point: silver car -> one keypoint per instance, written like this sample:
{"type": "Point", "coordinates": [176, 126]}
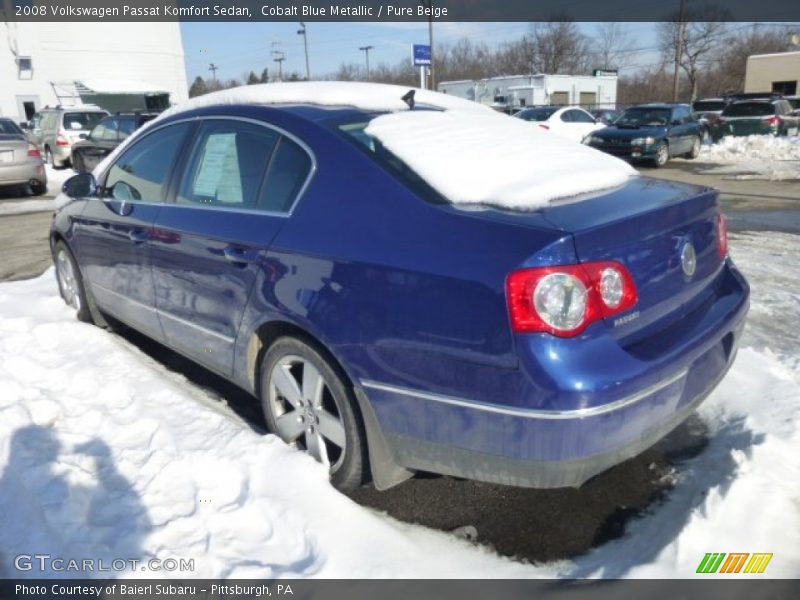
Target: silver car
{"type": "Point", "coordinates": [20, 160]}
{"type": "Point", "coordinates": [54, 130]}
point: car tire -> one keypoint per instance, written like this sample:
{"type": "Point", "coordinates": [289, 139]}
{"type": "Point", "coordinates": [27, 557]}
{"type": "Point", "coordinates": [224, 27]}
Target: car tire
{"type": "Point", "coordinates": [309, 404]}
{"type": "Point", "coordinates": [697, 144]}
{"type": "Point", "coordinates": [70, 282]}
{"type": "Point", "coordinates": [662, 155]}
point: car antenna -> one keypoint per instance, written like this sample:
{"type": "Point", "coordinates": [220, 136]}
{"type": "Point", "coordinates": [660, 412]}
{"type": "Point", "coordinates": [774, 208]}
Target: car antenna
{"type": "Point", "coordinates": [409, 98]}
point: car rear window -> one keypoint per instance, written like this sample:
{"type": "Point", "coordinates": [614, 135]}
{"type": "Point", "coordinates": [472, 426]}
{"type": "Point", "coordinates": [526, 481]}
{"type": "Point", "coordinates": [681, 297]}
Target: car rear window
{"type": "Point", "coordinates": [536, 114]}
{"type": "Point", "coordinates": [709, 105]}
{"type": "Point", "coordinates": [74, 121]}
{"type": "Point", "coordinates": [749, 109]}
{"type": "Point", "coordinates": [355, 132]}
{"type": "Point", "coordinates": [9, 128]}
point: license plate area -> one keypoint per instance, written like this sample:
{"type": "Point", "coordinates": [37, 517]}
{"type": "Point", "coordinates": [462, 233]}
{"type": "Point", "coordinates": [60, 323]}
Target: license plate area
{"type": "Point", "coordinates": [6, 156]}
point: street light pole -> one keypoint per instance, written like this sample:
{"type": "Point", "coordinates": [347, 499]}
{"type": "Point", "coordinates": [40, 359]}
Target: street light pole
{"type": "Point", "coordinates": [303, 32]}
{"type": "Point", "coordinates": [213, 68]}
{"type": "Point", "coordinates": [365, 50]}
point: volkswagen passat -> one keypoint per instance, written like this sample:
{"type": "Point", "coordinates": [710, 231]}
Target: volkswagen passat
{"type": "Point", "coordinates": [313, 248]}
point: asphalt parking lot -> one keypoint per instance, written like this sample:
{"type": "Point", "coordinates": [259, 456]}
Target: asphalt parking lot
{"type": "Point", "coordinates": [535, 525]}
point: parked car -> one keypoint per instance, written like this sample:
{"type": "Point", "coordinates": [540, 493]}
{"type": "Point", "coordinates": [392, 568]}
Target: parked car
{"type": "Point", "coordinates": [571, 122]}
{"type": "Point", "coordinates": [385, 328]}
{"type": "Point", "coordinates": [54, 130]}
{"type": "Point", "coordinates": [757, 117]}
{"type": "Point", "coordinates": [606, 116]}
{"type": "Point", "coordinates": [20, 160]}
{"type": "Point", "coordinates": [107, 135]}
{"type": "Point", "coordinates": [707, 112]}
{"type": "Point", "coordinates": [652, 132]}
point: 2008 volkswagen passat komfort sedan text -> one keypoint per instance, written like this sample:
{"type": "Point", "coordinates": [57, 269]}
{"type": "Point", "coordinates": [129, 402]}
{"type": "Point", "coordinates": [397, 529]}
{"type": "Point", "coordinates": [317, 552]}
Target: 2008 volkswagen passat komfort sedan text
{"type": "Point", "coordinates": [402, 295]}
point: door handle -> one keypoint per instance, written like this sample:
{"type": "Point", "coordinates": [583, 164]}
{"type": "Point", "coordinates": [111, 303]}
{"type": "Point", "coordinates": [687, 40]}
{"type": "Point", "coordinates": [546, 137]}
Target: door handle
{"type": "Point", "coordinates": [139, 236]}
{"type": "Point", "coordinates": [237, 254]}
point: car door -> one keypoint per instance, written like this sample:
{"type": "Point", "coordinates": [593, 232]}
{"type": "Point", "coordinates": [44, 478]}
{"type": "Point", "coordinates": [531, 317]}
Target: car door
{"type": "Point", "coordinates": [681, 131]}
{"type": "Point", "coordinates": [114, 232]}
{"type": "Point", "coordinates": [238, 186]}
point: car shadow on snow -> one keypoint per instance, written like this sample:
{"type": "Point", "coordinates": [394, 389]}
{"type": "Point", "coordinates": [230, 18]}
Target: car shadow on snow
{"type": "Point", "coordinates": [666, 484]}
{"type": "Point", "coordinates": [64, 500]}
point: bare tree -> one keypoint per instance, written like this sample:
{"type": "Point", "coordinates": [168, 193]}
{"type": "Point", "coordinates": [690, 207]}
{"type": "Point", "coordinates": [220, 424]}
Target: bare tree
{"type": "Point", "coordinates": [558, 47]}
{"type": "Point", "coordinates": [703, 33]}
{"type": "Point", "coordinates": [612, 46]}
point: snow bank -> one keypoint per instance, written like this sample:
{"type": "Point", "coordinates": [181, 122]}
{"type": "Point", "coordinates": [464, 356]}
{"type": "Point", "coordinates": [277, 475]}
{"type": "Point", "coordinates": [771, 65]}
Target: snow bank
{"type": "Point", "coordinates": [469, 153]}
{"type": "Point", "coordinates": [489, 158]}
{"type": "Point", "coordinates": [755, 157]}
{"type": "Point", "coordinates": [117, 456]}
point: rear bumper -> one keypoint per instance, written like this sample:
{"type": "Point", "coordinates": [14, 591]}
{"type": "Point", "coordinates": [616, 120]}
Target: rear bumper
{"type": "Point", "coordinates": [22, 173]}
{"type": "Point", "coordinates": [566, 442]}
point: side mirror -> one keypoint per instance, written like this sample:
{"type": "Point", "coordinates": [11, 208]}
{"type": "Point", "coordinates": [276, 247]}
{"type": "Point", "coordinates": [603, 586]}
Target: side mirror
{"type": "Point", "coordinates": [82, 185]}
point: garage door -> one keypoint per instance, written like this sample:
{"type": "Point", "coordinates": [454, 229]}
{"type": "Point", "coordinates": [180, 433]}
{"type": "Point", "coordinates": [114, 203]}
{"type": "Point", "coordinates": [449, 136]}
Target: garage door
{"type": "Point", "coordinates": [559, 98]}
{"type": "Point", "coordinates": [588, 99]}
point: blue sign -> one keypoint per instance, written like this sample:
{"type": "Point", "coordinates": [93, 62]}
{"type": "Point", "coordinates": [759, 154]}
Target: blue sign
{"type": "Point", "coordinates": [422, 55]}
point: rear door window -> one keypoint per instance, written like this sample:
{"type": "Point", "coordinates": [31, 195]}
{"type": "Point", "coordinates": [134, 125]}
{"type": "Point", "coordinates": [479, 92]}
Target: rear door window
{"type": "Point", "coordinates": [288, 172]}
{"type": "Point", "coordinates": [227, 164]}
{"type": "Point", "coordinates": [749, 109]}
{"type": "Point", "coordinates": [74, 121]}
{"type": "Point", "coordinates": [106, 131]}
{"type": "Point", "coordinates": [579, 116]}
{"type": "Point", "coordinates": [144, 169]}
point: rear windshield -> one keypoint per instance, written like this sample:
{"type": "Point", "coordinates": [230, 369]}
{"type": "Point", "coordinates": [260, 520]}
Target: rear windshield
{"type": "Point", "coordinates": [749, 109]}
{"type": "Point", "coordinates": [709, 105]}
{"type": "Point", "coordinates": [82, 120]}
{"type": "Point", "coordinates": [378, 152]}
{"type": "Point", "coordinates": [8, 127]}
{"type": "Point", "coordinates": [536, 114]}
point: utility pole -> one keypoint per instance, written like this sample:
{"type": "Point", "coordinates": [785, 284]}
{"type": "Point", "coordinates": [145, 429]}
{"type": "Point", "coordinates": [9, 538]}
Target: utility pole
{"type": "Point", "coordinates": [365, 50]}
{"type": "Point", "coordinates": [678, 52]}
{"type": "Point", "coordinates": [278, 56]}
{"type": "Point", "coordinates": [302, 31]}
{"type": "Point", "coordinates": [431, 70]}
{"type": "Point", "coordinates": [213, 68]}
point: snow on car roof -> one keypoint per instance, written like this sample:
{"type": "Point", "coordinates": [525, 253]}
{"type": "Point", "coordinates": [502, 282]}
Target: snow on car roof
{"type": "Point", "coordinates": [492, 159]}
{"type": "Point", "coordinates": [468, 152]}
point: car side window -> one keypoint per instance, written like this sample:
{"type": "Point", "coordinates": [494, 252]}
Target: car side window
{"type": "Point", "coordinates": [143, 170]}
{"type": "Point", "coordinates": [227, 164]}
{"type": "Point", "coordinates": [126, 127]}
{"type": "Point", "coordinates": [566, 116]}
{"type": "Point", "coordinates": [106, 131]}
{"type": "Point", "coordinates": [579, 116]}
{"type": "Point", "coordinates": [288, 173]}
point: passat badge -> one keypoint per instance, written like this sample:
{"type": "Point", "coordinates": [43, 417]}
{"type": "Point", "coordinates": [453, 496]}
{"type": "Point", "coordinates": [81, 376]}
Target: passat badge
{"type": "Point", "coordinates": [688, 259]}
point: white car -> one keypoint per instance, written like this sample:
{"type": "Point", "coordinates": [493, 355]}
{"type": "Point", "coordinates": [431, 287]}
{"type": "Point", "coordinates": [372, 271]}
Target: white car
{"type": "Point", "coordinates": [570, 122]}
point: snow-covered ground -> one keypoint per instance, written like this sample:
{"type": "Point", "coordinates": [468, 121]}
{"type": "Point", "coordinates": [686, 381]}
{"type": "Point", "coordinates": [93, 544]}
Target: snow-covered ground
{"type": "Point", "coordinates": [55, 179]}
{"type": "Point", "coordinates": [107, 454]}
{"type": "Point", "coordinates": [754, 157]}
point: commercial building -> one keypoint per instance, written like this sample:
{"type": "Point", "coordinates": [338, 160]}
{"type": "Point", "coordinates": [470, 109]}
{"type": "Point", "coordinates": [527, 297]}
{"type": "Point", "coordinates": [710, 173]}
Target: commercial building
{"type": "Point", "coordinates": [120, 66]}
{"type": "Point", "coordinates": [773, 73]}
{"type": "Point", "coordinates": [589, 91]}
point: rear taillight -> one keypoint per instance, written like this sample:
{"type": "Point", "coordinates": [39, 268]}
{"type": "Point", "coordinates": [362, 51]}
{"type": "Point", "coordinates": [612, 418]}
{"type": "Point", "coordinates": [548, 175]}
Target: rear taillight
{"type": "Point", "coordinates": [61, 140]}
{"type": "Point", "coordinates": [564, 300]}
{"type": "Point", "coordinates": [33, 151]}
{"type": "Point", "coordinates": [722, 235]}
{"type": "Point", "coordinates": [773, 121]}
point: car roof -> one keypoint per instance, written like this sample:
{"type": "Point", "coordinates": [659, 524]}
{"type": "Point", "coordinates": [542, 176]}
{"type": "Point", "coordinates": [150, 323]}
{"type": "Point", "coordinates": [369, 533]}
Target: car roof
{"type": "Point", "coordinates": [659, 105]}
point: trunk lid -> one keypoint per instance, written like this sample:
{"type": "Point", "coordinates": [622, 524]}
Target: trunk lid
{"type": "Point", "coordinates": [647, 226]}
{"type": "Point", "coordinates": [13, 149]}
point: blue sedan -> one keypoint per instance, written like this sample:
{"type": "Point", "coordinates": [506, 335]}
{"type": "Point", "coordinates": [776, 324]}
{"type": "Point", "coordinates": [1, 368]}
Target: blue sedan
{"type": "Point", "coordinates": [386, 330]}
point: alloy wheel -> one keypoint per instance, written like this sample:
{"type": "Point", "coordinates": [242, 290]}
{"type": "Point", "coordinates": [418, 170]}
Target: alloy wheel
{"type": "Point", "coordinates": [305, 411]}
{"type": "Point", "coordinates": [67, 280]}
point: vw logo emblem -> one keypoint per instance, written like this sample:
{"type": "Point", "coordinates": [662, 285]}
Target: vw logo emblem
{"type": "Point", "coordinates": [688, 259]}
